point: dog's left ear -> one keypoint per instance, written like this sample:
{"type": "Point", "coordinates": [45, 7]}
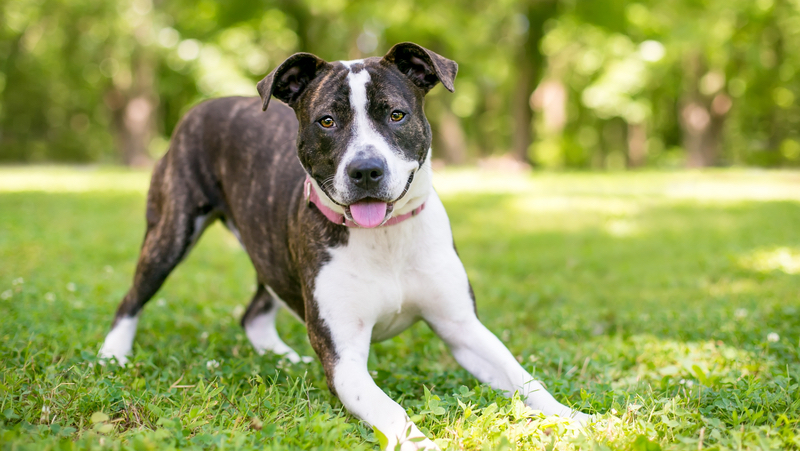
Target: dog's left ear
{"type": "Point", "coordinates": [424, 67]}
{"type": "Point", "coordinates": [291, 78]}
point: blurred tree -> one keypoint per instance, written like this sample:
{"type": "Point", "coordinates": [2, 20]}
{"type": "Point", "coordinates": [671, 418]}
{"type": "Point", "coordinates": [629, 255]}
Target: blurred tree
{"type": "Point", "coordinates": [599, 84]}
{"type": "Point", "coordinates": [49, 92]}
{"type": "Point", "coordinates": [131, 96]}
{"type": "Point", "coordinates": [692, 81]}
{"type": "Point", "coordinates": [530, 68]}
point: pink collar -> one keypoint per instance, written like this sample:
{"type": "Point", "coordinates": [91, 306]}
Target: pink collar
{"type": "Point", "coordinates": [337, 218]}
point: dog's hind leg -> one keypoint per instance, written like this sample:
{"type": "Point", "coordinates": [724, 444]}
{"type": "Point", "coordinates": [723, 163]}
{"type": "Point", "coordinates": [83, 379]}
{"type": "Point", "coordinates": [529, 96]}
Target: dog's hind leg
{"type": "Point", "coordinates": [259, 325]}
{"type": "Point", "coordinates": [174, 223]}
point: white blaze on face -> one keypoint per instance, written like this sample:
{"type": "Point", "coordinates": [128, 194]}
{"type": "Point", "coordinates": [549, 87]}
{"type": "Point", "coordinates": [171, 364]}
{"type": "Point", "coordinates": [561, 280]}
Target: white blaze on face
{"type": "Point", "coordinates": [366, 141]}
{"type": "Point", "coordinates": [349, 64]}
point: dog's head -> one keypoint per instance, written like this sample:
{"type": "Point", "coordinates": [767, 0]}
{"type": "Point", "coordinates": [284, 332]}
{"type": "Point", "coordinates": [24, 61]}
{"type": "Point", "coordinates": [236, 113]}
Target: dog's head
{"type": "Point", "coordinates": [363, 136]}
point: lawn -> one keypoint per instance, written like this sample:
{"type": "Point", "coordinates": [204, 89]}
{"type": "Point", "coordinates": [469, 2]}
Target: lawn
{"type": "Point", "coordinates": [668, 303]}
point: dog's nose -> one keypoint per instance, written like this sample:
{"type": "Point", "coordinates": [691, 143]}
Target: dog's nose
{"type": "Point", "coordinates": [366, 173]}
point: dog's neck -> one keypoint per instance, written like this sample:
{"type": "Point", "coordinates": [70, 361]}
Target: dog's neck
{"type": "Point", "coordinates": [416, 195]}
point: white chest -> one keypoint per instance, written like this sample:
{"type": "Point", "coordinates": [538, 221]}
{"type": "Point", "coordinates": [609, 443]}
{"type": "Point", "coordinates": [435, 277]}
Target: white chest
{"type": "Point", "coordinates": [381, 277]}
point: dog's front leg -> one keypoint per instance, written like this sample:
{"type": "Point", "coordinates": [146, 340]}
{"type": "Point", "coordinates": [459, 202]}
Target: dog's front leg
{"type": "Point", "coordinates": [344, 356]}
{"type": "Point", "coordinates": [481, 353]}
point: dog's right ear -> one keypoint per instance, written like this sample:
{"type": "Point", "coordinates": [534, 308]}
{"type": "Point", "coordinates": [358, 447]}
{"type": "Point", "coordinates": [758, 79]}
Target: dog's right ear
{"type": "Point", "coordinates": [291, 78]}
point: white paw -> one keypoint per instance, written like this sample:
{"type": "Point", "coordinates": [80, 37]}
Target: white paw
{"type": "Point", "coordinates": [106, 354]}
{"type": "Point", "coordinates": [411, 440]}
{"type": "Point", "coordinates": [119, 342]}
{"type": "Point", "coordinates": [410, 445]}
{"type": "Point", "coordinates": [582, 418]}
{"type": "Point", "coordinates": [306, 359]}
{"type": "Point", "coordinates": [293, 357]}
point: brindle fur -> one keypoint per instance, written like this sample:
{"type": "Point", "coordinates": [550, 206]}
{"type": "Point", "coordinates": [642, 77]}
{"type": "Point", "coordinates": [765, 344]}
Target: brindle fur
{"type": "Point", "coordinates": [230, 160]}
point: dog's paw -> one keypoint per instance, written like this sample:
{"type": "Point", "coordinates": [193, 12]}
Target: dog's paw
{"type": "Point", "coordinates": [411, 439]}
{"type": "Point", "coordinates": [119, 341]}
{"type": "Point", "coordinates": [582, 418]}
{"type": "Point", "coordinates": [296, 358]}
{"type": "Point", "coordinates": [420, 443]}
{"type": "Point", "coordinates": [108, 354]}
{"type": "Point", "coordinates": [306, 359]}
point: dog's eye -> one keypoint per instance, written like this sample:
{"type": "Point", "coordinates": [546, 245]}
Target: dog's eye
{"type": "Point", "coordinates": [397, 116]}
{"type": "Point", "coordinates": [327, 122]}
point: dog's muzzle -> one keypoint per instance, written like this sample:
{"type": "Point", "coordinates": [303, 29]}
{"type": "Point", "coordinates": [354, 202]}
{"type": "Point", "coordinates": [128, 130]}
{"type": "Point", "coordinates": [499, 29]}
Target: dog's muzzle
{"type": "Point", "coordinates": [367, 214]}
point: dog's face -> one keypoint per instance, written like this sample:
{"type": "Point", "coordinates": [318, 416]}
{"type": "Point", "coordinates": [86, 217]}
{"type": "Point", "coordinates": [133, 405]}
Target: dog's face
{"type": "Point", "coordinates": [362, 133]}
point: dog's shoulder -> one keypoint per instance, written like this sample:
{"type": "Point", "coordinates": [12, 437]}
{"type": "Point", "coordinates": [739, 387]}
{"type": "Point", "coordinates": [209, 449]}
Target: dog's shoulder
{"type": "Point", "coordinates": [240, 111]}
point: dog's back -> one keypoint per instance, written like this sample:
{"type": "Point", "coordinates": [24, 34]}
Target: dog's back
{"type": "Point", "coordinates": [227, 148]}
{"type": "Point", "coordinates": [231, 161]}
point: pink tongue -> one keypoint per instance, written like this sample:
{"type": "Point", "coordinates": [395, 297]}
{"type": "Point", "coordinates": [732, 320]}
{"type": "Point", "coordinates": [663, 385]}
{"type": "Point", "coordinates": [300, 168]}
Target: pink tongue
{"type": "Point", "coordinates": [368, 214]}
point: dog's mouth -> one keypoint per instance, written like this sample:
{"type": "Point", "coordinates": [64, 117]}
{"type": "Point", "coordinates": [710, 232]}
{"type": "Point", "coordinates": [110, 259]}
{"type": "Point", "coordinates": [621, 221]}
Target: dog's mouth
{"type": "Point", "coordinates": [370, 212]}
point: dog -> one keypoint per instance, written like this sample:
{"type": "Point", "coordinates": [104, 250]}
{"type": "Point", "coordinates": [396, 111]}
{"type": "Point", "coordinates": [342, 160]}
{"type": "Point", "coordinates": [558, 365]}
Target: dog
{"type": "Point", "coordinates": [330, 195]}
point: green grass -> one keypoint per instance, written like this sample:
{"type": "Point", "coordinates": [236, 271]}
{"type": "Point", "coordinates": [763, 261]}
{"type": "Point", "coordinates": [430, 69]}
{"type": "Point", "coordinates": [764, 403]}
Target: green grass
{"type": "Point", "coordinates": [667, 302]}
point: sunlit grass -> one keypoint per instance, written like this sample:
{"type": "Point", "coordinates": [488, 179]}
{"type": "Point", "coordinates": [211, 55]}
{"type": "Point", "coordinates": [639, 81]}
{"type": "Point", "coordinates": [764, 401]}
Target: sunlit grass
{"type": "Point", "coordinates": [712, 185]}
{"type": "Point", "coordinates": [783, 259]}
{"type": "Point", "coordinates": [68, 179]}
{"type": "Point", "coordinates": [668, 303]}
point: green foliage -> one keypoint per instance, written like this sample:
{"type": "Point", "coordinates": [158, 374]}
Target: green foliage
{"type": "Point", "coordinates": [654, 59]}
{"type": "Point", "coordinates": [630, 83]}
{"type": "Point", "coordinates": [665, 303]}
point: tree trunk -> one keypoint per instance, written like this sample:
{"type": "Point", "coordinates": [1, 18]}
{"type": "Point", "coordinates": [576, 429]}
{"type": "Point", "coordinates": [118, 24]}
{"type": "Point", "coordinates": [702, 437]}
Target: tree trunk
{"type": "Point", "coordinates": [522, 113]}
{"type": "Point", "coordinates": [530, 62]}
{"type": "Point", "coordinates": [134, 111]}
{"type": "Point", "coordinates": [637, 145]}
{"type": "Point", "coordinates": [777, 128]}
{"type": "Point", "coordinates": [302, 16]}
{"type": "Point", "coordinates": [701, 118]}
{"type": "Point", "coordinates": [10, 146]}
{"type": "Point", "coordinates": [452, 139]}
{"type": "Point", "coordinates": [133, 101]}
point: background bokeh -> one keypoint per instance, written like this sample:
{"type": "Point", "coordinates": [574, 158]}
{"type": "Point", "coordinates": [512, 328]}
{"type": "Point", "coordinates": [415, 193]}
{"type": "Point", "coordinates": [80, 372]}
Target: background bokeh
{"type": "Point", "coordinates": [600, 84]}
